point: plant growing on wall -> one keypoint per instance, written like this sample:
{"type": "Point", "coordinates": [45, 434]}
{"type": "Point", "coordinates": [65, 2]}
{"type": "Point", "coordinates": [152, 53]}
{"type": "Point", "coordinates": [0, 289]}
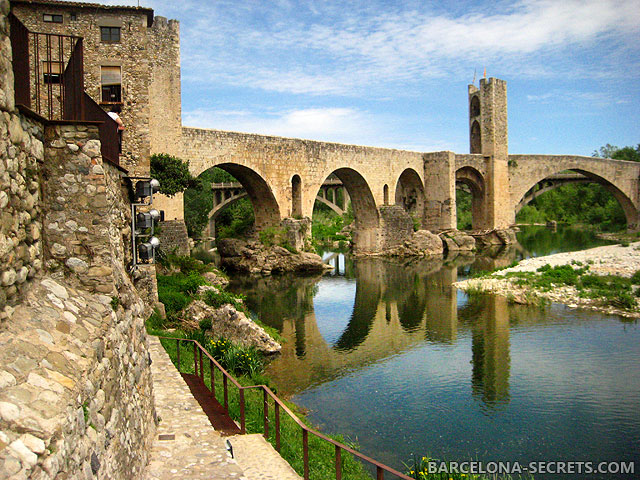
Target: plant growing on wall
{"type": "Point", "coordinates": [172, 173]}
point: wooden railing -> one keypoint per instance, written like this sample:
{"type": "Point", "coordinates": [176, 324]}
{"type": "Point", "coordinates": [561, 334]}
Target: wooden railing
{"type": "Point", "coordinates": [269, 399]}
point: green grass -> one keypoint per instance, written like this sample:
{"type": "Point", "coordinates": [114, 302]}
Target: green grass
{"type": "Point", "coordinates": [321, 453]}
{"type": "Point", "coordinates": [609, 290]}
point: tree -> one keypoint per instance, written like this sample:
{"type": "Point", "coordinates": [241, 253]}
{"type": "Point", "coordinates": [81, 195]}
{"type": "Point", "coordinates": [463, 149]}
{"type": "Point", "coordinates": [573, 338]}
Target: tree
{"type": "Point", "coordinates": [625, 153]}
{"type": "Point", "coordinates": [172, 173]}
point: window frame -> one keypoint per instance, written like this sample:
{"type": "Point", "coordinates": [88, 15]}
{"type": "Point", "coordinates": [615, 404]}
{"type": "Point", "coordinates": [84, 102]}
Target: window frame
{"type": "Point", "coordinates": [110, 86]}
{"type": "Point", "coordinates": [53, 18]}
{"type": "Point", "coordinates": [52, 77]}
{"type": "Point", "coordinates": [110, 34]}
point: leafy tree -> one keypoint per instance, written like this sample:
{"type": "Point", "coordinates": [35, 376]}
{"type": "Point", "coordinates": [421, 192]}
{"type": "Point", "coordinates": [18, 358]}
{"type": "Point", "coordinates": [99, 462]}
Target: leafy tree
{"type": "Point", "coordinates": [629, 153]}
{"type": "Point", "coordinates": [172, 173]}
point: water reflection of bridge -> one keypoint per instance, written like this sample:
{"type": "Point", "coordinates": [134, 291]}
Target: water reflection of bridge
{"type": "Point", "coordinates": [397, 306]}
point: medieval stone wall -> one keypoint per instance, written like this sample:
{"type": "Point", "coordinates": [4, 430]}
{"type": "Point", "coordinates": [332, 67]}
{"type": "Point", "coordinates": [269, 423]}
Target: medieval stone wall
{"type": "Point", "coordinates": [21, 153]}
{"type": "Point", "coordinates": [75, 383]}
{"type": "Point", "coordinates": [173, 237]}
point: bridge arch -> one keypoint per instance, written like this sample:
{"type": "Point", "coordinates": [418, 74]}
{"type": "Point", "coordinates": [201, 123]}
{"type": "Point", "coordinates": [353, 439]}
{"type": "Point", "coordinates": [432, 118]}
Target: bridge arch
{"type": "Point", "coordinates": [474, 181]}
{"type": "Point", "coordinates": [365, 211]}
{"type": "Point", "coordinates": [296, 196]}
{"type": "Point", "coordinates": [410, 193]}
{"type": "Point", "coordinates": [265, 207]}
{"type": "Point", "coordinates": [628, 207]}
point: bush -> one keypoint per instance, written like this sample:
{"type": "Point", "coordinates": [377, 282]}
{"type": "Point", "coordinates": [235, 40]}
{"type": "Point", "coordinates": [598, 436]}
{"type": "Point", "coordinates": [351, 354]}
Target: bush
{"type": "Point", "coordinates": [172, 173]}
{"type": "Point", "coordinates": [205, 324]}
{"type": "Point", "coordinates": [218, 299]}
{"type": "Point", "coordinates": [174, 301]}
{"type": "Point", "coordinates": [635, 278]}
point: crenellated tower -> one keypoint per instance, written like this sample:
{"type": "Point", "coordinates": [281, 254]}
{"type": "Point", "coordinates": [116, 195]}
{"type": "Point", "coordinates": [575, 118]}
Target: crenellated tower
{"type": "Point", "coordinates": [488, 136]}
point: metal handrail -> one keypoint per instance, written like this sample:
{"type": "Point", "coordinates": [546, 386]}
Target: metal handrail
{"type": "Point", "coordinates": [198, 364]}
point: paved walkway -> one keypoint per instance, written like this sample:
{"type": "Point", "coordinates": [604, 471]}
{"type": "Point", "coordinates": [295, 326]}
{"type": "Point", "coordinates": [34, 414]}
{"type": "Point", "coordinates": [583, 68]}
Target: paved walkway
{"type": "Point", "coordinates": [187, 446]}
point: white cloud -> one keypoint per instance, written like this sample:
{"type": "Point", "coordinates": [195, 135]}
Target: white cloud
{"type": "Point", "coordinates": [349, 53]}
{"type": "Point", "coordinates": [343, 125]}
{"type": "Point", "coordinates": [316, 123]}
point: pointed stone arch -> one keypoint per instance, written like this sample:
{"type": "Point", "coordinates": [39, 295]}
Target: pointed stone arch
{"type": "Point", "coordinates": [474, 181]}
{"type": "Point", "coordinates": [410, 194]}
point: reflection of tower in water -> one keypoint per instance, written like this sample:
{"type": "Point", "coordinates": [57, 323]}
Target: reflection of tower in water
{"type": "Point", "coordinates": [490, 351]}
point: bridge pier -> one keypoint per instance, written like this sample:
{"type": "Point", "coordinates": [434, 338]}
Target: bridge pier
{"type": "Point", "coordinates": [440, 191]}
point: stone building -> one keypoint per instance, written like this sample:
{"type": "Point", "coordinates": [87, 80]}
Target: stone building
{"type": "Point", "coordinates": [131, 59]}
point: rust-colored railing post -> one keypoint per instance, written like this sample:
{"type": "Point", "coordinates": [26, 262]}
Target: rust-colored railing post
{"type": "Point", "coordinates": [276, 406]}
{"type": "Point", "coordinates": [338, 463]}
{"type": "Point", "coordinates": [243, 429]}
{"type": "Point", "coordinates": [212, 378]}
{"type": "Point", "coordinates": [265, 413]}
{"type": "Point", "coordinates": [226, 393]}
{"type": "Point", "coordinates": [305, 452]}
{"type": "Point", "coordinates": [379, 473]}
{"type": "Point", "coordinates": [178, 349]}
{"type": "Point", "coordinates": [195, 358]}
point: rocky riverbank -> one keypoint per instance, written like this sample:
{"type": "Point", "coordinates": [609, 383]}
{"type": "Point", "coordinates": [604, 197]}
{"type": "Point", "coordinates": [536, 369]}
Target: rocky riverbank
{"type": "Point", "coordinates": [615, 260]}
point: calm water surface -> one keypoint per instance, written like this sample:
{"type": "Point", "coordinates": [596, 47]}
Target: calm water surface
{"type": "Point", "coordinates": [394, 357]}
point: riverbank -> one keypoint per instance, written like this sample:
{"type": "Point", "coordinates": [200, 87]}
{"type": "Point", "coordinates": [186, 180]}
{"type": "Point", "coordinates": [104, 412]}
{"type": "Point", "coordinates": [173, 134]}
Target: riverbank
{"type": "Point", "coordinates": [521, 283]}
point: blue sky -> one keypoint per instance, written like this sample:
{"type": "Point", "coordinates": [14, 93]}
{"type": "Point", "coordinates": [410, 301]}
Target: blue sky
{"type": "Point", "coordinates": [395, 74]}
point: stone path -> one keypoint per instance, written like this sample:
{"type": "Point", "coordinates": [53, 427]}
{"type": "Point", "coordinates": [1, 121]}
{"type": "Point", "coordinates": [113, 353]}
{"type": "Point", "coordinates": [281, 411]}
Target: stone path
{"type": "Point", "coordinates": [259, 459]}
{"type": "Point", "coordinates": [186, 446]}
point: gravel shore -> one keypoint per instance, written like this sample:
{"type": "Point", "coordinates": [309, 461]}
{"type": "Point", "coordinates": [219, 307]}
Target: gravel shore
{"type": "Point", "coordinates": [607, 260]}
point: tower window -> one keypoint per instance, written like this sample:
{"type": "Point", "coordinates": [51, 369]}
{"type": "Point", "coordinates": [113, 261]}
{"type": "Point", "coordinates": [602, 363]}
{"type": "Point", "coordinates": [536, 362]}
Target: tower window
{"type": "Point", "coordinates": [111, 84]}
{"type": "Point", "coordinates": [73, 16]}
{"type": "Point", "coordinates": [51, 18]}
{"type": "Point", "coordinates": [110, 34]}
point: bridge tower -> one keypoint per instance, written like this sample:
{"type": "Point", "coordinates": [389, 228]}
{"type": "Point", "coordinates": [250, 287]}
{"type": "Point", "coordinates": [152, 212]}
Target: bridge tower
{"type": "Point", "coordinates": [488, 136]}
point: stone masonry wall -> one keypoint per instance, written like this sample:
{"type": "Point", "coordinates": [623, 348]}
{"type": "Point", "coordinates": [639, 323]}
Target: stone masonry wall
{"type": "Point", "coordinates": [75, 386]}
{"type": "Point", "coordinates": [173, 237]}
{"type": "Point", "coordinates": [21, 152]}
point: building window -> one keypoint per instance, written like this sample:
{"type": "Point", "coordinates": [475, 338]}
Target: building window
{"type": "Point", "coordinates": [49, 17]}
{"type": "Point", "coordinates": [110, 34]}
{"type": "Point", "coordinates": [73, 16]}
{"type": "Point", "coordinates": [111, 82]}
{"type": "Point", "coordinates": [52, 72]}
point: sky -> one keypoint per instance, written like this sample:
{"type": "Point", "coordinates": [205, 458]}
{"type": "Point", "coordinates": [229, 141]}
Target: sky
{"type": "Point", "coordinates": [395, 74]}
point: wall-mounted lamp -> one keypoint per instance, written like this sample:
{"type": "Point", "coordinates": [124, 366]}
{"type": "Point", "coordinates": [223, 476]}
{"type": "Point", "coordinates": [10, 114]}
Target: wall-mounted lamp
{"type": "Point", "coordinates": [148, 219]}
{"type": "Point", "coordinates": [142, 221]}
{"type": "Point", "coordinates": [147, 250]}
{"type": "Point", "coordinates": [146, 188]}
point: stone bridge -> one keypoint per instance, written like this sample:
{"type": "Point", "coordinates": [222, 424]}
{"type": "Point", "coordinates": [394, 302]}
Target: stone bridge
{"type": "Point", "coordinates": [390, 189]}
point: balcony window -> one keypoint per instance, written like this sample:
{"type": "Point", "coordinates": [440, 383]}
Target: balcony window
{"type": "Point", "coordinates": [52, 73]}
{"type": "Point", "coordinates": [111, 84]}
{"type": "Point", "coordinates": [110, 34]}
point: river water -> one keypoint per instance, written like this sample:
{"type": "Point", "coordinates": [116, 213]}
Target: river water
{"type": "Point", "coordinates": [391, 355]}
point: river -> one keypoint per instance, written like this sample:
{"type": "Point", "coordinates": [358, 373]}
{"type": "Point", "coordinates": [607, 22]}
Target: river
{"type": "Point", "coordinates": [389, 354]}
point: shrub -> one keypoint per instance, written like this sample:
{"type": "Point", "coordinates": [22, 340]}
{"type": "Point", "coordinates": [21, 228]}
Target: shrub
{"type": "Point", "coordinates": [635, 278]}
{"type": "Point", "coordinates": [205, 324]}
{"type": "Point", "coordinates": [218, 299]}
{"type": "Point", "coordinates": [174, 302]}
